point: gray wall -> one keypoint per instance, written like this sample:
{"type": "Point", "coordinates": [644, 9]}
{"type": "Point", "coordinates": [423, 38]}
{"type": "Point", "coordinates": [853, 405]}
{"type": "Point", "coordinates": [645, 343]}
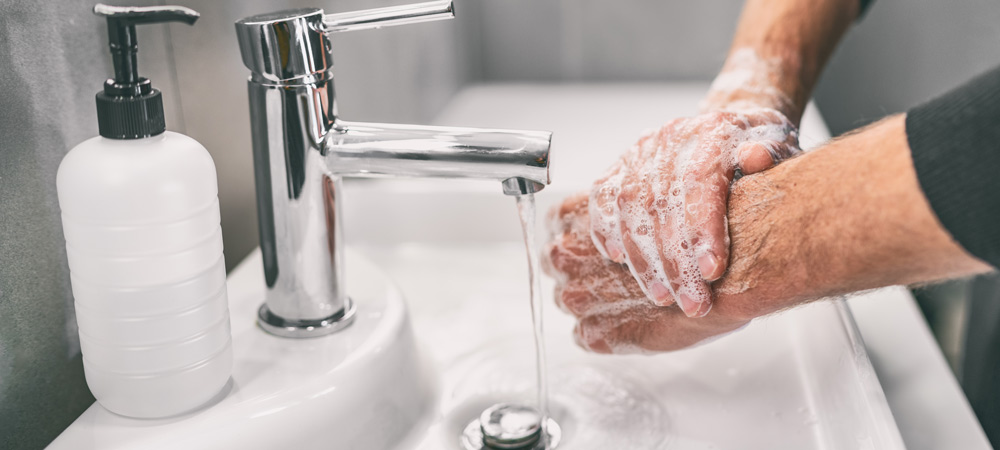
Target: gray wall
{"type": "Point", "coordinates": [905, 52]}
{"type": "Point", "coordinates": [599, 40]}
{"type": "Point", "coordinates": [902, 53]}
{"type": "Point", "coordinates": [51, 69]}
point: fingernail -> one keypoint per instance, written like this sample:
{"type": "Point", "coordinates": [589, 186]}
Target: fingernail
{"type": "Point", "coordinates": [660, 292]}
{"type": "Point", "coordinates": [709, 265]}
{"type": "Point", "coordinates": [597, 346]}
{"type": "Point", "coordinates": [688, 305]}
{"type": "Point", "coordinates": [703, 309]}
{"type": "Point", "coordinates": [615, 254]}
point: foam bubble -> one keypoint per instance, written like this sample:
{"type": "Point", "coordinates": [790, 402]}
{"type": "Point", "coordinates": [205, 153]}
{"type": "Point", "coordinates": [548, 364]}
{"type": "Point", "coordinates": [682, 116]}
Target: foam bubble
{"type": "Point", "coordinates": [747, 72]}
{"type": "Point", "coordinates": [663, 192]}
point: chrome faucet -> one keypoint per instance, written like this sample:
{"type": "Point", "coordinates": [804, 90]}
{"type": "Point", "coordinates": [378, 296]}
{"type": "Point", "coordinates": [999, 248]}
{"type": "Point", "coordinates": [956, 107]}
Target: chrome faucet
{"type": "Point", "coordinates": [301, 150]}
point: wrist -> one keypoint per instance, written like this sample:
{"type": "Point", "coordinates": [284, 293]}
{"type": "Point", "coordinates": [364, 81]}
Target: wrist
{"type": "Point", "coordinates": [768, 270]}
{"type": "Point", "coordinates": [750, 80]}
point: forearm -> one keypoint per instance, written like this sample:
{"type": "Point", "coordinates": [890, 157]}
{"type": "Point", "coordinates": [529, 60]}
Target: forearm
{"type": "Point", "coordinates": [779, 51]}
{"type": "Point", "coordinates": [847, 217]}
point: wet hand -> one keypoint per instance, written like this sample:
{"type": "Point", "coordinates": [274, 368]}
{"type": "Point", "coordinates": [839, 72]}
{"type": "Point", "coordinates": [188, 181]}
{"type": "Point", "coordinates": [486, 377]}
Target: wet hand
{"type": "Point", "coordinates": [612, 311]}
{"type": "Point", "coordinates": [661, 209]}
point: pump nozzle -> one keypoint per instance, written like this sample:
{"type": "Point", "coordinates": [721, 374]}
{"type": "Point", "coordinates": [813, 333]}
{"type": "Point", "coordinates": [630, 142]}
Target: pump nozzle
{"type": "Point", "coordinates": [129, 107]}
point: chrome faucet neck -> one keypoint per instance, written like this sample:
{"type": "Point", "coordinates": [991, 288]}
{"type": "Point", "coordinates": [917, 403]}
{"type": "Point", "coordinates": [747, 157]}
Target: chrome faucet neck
{"type": "Point", "coordinates": [301, 150]}
{"type": "Point", "coordinates": [284, 45]}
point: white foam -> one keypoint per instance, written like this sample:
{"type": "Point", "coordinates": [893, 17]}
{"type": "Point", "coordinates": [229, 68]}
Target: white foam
{"type": "Point", "coordinates": [650, 194]}
{"type": "Point", "coordinates": [746, 72]}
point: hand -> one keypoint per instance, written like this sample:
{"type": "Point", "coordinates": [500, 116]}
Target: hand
{"type": "Point", "coordinates": [661, 209]}
{"type": "Point", "coordinates": [613, 313]}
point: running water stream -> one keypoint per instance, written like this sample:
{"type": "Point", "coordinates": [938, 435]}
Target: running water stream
{"type": "Point", "coordinates": [600, 409]}
{"type": "Point", "coordinates": [526, 211]}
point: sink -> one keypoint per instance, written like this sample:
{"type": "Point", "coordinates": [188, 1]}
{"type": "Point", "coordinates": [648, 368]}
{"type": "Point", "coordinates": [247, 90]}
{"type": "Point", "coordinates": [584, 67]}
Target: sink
{"type": "Point", "coordinates": [800, 380]}
{"type": "Point", "coordinates": [413, 371]}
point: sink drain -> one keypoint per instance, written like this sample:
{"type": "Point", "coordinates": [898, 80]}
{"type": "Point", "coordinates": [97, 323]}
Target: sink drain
{"type": "Point", "coordinates": [511, 427]}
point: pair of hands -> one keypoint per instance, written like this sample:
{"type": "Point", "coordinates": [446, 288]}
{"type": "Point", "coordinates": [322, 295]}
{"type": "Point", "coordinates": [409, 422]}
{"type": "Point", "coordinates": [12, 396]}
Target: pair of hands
{"type": "Point", "coordinates": [653, 232]}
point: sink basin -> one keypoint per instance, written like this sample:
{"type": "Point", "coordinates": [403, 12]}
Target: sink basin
{"type": "Point", "coordinates": [411, 375]}
{"type": "Point", "coordinates": [800, 379]}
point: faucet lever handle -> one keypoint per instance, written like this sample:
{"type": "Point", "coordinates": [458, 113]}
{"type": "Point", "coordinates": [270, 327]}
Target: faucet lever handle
{"type": "Point", "coordinates": [389, 16]}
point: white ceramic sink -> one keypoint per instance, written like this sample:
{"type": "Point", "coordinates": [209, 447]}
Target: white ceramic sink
{"type": "Point", "coordinates": [798, 380]}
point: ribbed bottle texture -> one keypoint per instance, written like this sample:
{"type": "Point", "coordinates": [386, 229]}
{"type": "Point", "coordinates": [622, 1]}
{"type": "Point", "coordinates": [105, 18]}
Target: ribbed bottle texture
{"type": "Point", "coordinates": [144, 244]}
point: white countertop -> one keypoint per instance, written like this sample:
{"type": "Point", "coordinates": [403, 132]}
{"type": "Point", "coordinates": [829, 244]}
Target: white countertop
{"type": "Point", "coordinates": [592, 125]}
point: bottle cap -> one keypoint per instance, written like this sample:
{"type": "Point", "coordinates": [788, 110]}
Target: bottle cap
{"type": "Point", "coordinates": [129, 107]}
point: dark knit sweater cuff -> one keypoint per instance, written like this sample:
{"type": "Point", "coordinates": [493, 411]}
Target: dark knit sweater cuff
{"type": "Point", "coordinates": [864, 7]}
{"type": "Point", "coordinates": [955, 143]}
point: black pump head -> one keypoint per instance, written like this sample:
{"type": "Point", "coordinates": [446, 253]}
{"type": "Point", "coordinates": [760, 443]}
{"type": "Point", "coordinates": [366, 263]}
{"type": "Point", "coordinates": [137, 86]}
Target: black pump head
{"type": "Point", "coordinates": [129, 107]}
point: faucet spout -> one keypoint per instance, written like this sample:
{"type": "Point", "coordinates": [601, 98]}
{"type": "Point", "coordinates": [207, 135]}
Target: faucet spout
{"type": "Point", "coordinates": [302, 150]}
{"type": "Point", "coordinates": [375, 149]}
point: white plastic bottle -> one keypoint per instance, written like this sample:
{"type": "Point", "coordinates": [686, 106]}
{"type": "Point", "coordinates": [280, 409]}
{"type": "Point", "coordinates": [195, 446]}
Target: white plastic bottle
{"type": "Point", "coordinates": [140, 215]}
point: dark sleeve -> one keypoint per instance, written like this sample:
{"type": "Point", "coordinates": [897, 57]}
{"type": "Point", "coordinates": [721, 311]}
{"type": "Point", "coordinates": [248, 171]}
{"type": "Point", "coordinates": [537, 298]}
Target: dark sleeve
{"type": "Point", "coordinates": [864, 7]}
{"type": "Point", "coordinates": [955, 143]}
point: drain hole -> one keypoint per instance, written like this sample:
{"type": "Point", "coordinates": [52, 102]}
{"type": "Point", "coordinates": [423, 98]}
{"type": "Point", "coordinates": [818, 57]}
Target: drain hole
{"type": "Point", "coordinates": [506, 426]}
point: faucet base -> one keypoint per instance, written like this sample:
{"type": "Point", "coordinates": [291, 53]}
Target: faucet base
{"type": "Point", "coordinates": [279, 326]}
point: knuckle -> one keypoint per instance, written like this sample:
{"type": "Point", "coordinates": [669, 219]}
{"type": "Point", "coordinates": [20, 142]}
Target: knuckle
{"type": "Point", "coordinates": [560, 259]}
{"type": "Point", "coordinates": [557, 296]}
{"type": "Point", "coordinates": [575, 301]}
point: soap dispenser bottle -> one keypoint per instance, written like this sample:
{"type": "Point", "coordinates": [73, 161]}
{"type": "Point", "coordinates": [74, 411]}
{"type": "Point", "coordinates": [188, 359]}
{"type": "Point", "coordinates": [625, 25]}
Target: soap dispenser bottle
{"type": "Point", "coordinates": [140, 214]}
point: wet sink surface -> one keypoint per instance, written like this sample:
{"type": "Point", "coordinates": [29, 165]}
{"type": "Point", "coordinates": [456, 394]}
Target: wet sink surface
{"type": "Point", "coordinates": [792, 381]}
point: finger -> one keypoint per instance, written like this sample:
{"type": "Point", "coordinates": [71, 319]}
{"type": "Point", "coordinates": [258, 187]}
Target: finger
{"type": "Point", "coordinates": [708, 230]}
{"type": "Point", "coordinates": [702, 242]}
{"type": "Point", "coordinates": [614, 284]}
{"type": "Point", "coordinates": [557, 296]}
{"type": "Point", "coordinates": [692, 292]}
{"type": "Point", "coordinates": [606, 198]}
{"type": "Point", "coordinates": [646, 329]}
{"type": "Point", "coordinates": [669, 330]}
{"type": "Point", "coordinates": [668, 211]}
{"type": "Point", "coordinates": [564, 254]}
{"type": "Point", "coordinates": [603, 210]}
{"type": "Point", "coordinates": [567, 262]}
{"type": "Point", "coordinates": [593, 345]}
{"type": "Point", "coordinates": [555, 223]}
{"type": "Point", "coordinates": [641, 209]}
{"type": "Point", "coordinates": [705, 222]}
{"type": "Point", "coordinates": [640, 243]}
{"type": "Point", "coordinates": [619, 331]}
{"type": "Point", "coordinates": [578, 300]}
{"type": "Point", "coordinates": [546, 261]}
{"type": "Point", "coordinates": [564, 216]}
{"type": "Point", "coordinates": [688, 254]}
{"type": "Point", "coordinates": [757, 156]}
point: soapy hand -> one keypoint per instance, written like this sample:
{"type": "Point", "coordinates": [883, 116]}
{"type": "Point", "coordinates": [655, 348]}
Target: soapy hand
{"type": "Point", "coordinates": [613, 313]}
{"type": "Point", "coordinates": [661, 209]}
